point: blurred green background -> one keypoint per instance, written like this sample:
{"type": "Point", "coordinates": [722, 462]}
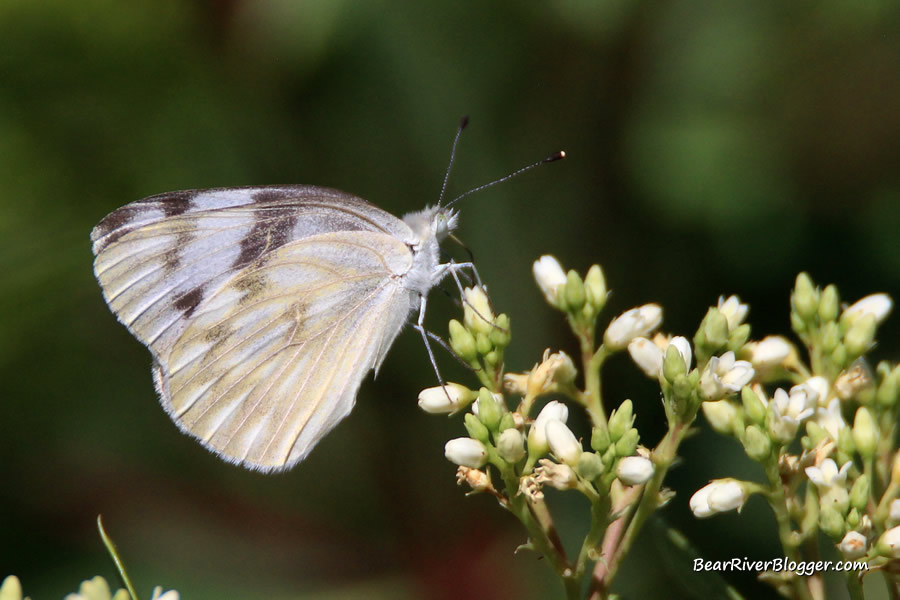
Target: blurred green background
{"type": "Point", "coordinates": [715, 146]}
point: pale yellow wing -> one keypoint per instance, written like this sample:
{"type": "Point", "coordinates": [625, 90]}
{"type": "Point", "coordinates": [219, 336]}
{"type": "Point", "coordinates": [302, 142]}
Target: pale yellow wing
{"type": "Point", "coordinates": [271, 362]}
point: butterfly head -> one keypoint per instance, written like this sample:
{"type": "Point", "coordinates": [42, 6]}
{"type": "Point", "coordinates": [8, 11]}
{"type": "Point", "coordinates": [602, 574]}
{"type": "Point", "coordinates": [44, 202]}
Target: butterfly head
{"type": "Point", "coordinates": [433, 221]}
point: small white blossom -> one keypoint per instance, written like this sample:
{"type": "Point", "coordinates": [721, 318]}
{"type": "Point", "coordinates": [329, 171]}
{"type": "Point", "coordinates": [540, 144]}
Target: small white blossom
{"type": "Point", "coordinates": [788, 411]}
{"type": "Point", "coordinates": [798, 405]}
{"type": "Point", "coordinates": [466, 452]}
{"type": "Point", "coordinates": [158, 594]}
{"type": "Point", "coordinates": [634, 470]}
{"type": "Point", "coordinates": [877, 305]}
{"type": "Point", "coordinates": [827, 475]}
{"type": "Point", "coordinates": [537, 435]}
{"type": "Point", "coordinates": [820, 386]}
{"type": "Point", "coordinates": [559, 476]}
{"type": "Point", "coordinates": [445, 399]}
{"type": "Point", "coordinates": [724, 375]}
{"type": "Point", "coordinates": [637, 322]}
{"type": "Point", "coordinates": [771, 351]}
{"type": "Point", "coordinates": [646, 355]}
{"type": "Point", "coordinates": [830, 419]}
{"type": "Point", "coordinates": [853, 545]}
{"type": "Point", "coordinates": [717, 496]}
{"type": "Point", "coordinates": [733, 311]}
{"type": "Point", "coordinates": [549, 276]}
{"type": "Point", "coordinates": [563, 443]}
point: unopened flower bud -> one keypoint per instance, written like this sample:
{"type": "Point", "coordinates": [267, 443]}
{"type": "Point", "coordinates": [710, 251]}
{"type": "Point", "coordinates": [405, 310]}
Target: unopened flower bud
{"type": "Point", "coordinates": [877, 305]}
{"type": "Point", "coordinates": [550, 278]}
{"type": "Point", "coordinates": [637, 322]}
{"type": "Point", "coordinates": [853, 545]}
{"type": "Point", "coordinates": [537, 435]}
{"type": "Point", "coordinates": [829, 303]}
{"type": "Point", "coordinates": [859, 493]}
{"type": "Point", "coordinates": [621, 421]}
{"type": "Point", "coordinates": [11, 589]}
{"type": "Point", "coordinates": [831, 522]}
{"type": "Point", "coordinates": [466, 452]}
{"type": "Point", "coordinates": [756, 443]}
{"type": "Point", "coordinates": [646, 355]}
{"type": "Point", "coordinates": [445, 399]}
{"type": "Point", "coordinates": [574, 291]}
{"type": "Point", "coordinates": [733, 310]}
{"type": "Point", "coordinates": [595, 287]}
{"type": "Point", "coordinates": [600, 439]}
{"type": "Point", "coordinates": [769, 352]}
{"type": "Point", "coordinates": [889, 543]}
{"type": "Point", "coordinates": [488, 409]}
{"type": "Point", "coordinates": [720, 495]}
{"type": "Point", "coordinates": [676, 360]}
{"type": "Point", "coordinates": [805, 297]}
{"type": "Point", "coordinates": [715, 328]}
{"type": "Point", "coordinates": [865, 433]}
{"type": "Point", "coordinates": [511, 446]}
{"type": "Point", "coordinates": [627, 444]}
{"type": "Point", "coordinates": [861, 335]}
{"type": "Point", "coordinates": [476, 428]}
{"type": "Point", "coordinates": [477, 314]}
{"type": "Point", "coordinates": [753, 406]}
{"type": "Point", "coordinates": [634, 470]}
{"type": "Point", "coordinates": [462, 342]}
{"type": "Point", "coordinates": [500, 335]}
{"type": "Point", "coordinates": [589, 466]}
{"type": "Point", "coordinates": [563, 443]}
{"type": "Point", "coordinates": [721, 415]}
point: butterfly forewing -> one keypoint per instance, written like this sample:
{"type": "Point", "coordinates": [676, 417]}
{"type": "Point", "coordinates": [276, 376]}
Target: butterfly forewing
{"type": "Point", "coordinates": [242, 296]}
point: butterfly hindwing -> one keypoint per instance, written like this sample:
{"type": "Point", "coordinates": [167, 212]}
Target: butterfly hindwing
{"type": "Point", "coordinates": [241, 295]}
{"type": "Point", "coordinates": [272, 361]}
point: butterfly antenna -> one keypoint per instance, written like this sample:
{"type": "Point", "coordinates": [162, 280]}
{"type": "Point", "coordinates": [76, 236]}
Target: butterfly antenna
{"type": "Point", "coordinates": [552, 158]}
{"type": "Point", "coordinates": [462, 125]}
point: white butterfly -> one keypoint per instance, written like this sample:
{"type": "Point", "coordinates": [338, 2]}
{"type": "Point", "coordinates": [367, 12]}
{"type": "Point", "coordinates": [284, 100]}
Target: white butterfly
{"type": "Point", "coordinates": [264, 307]}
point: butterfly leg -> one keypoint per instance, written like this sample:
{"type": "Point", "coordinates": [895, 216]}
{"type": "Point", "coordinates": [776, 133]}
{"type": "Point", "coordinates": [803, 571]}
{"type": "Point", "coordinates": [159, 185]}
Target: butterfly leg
{"type": "Point", "coordinates": [420, 327]}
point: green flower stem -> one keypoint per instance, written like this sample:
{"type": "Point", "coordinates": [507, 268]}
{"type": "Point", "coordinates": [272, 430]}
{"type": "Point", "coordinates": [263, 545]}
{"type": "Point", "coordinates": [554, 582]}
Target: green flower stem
{"type": "Point", "coordinates": [790, 540]}
{"type": "Point", "coordinates": [612, 536]}
{"type": "Point", "coordinates": [114, 554]}
{"type": "Point", "coordinates": [854, 586]}
{"type": "Point", "coordinates": [663, 456]}
{"type": "Point", "coordinates": [541, 531]}
{"type": "Point", "coordinates": [599, 523]}
{"type": "Point", "coordinates": [592, 397]}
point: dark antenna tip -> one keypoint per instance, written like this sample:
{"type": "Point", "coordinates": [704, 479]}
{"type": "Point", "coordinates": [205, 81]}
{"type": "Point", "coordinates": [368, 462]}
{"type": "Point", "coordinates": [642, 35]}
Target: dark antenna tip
{"type": "Point", "coordinates": [462, 125]}
{"type": "Point", "coordinates": [552, 158]}
{"type": "Point", "coordinates": [555, 156]}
